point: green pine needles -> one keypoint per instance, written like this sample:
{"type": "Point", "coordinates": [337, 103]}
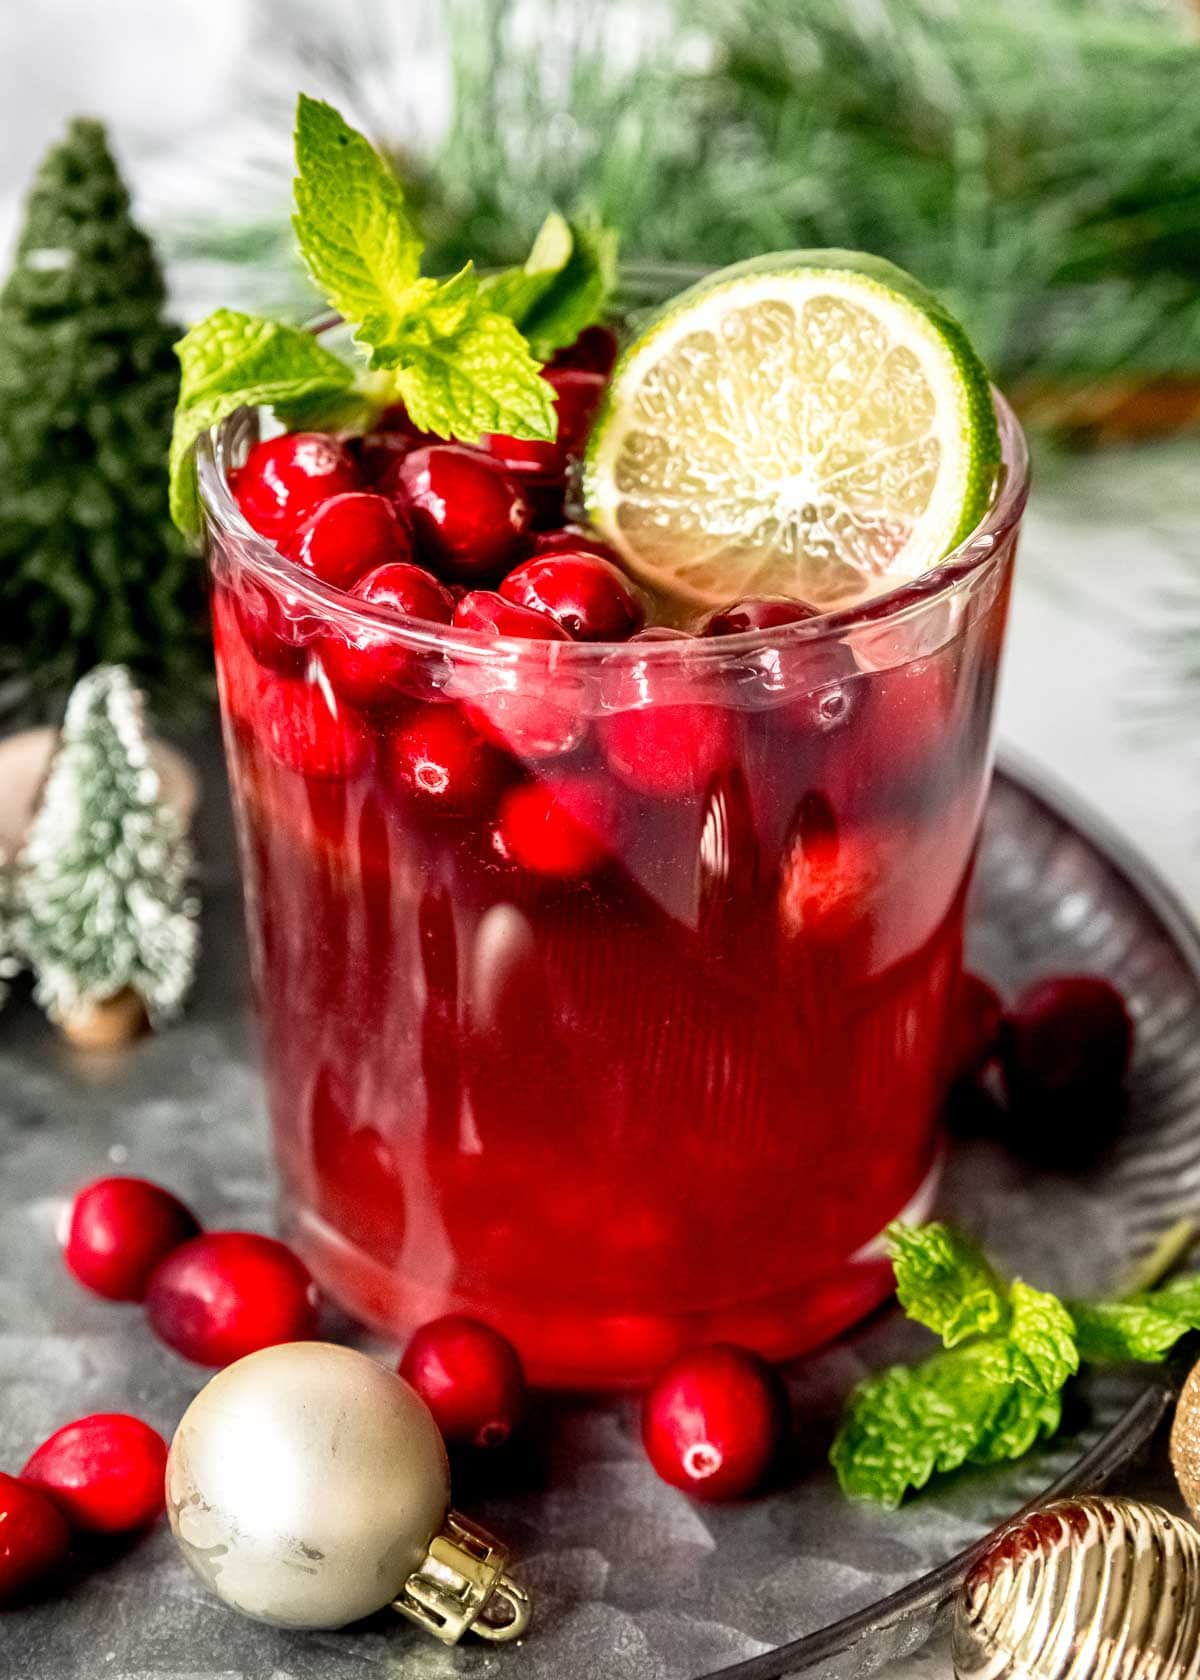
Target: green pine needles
{"type": "Point", "coordinates": [102, 896]}
{"type": "Point", "coordinates": [91, 568]}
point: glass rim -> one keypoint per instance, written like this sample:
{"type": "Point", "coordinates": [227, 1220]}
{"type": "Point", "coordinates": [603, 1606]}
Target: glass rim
{"type": "Point", "coordinates": [970, 559]}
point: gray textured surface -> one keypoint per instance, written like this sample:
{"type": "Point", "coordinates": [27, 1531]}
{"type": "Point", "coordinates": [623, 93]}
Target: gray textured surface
{"type": "Point", "coordinates": [632, 1581]}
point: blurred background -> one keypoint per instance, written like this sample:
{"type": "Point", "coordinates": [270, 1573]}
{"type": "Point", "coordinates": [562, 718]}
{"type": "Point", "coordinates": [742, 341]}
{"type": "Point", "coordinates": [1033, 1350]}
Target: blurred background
{"type": "Point", "coordinates": [1036, 162]}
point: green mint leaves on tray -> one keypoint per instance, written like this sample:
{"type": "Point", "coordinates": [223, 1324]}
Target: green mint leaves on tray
{"type": "Point", "coordinates": [997, 1388]}
{"type": "Point", "coordinates": [463, 354]}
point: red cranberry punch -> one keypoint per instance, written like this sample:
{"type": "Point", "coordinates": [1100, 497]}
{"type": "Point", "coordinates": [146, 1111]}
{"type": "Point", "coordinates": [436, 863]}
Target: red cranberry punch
{"type": "Point", "coordinates": [608, 801]}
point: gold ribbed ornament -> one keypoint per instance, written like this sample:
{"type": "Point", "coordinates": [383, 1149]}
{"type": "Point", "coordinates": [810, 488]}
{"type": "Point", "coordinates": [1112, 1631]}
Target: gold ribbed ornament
{"type": "Point", "coordinates": [1185, 1442]}
{"type": "Point", "coordinates": [1084, 1589]}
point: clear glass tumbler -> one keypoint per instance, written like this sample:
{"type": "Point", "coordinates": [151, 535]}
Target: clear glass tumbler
{"type": "Point", "coordinates": [645, 1042]}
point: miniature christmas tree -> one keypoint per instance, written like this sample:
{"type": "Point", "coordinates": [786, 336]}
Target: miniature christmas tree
{"type": "Point", "coordinates": [103, 908]}
{"type": "Point", "coordinates": [91, 567]}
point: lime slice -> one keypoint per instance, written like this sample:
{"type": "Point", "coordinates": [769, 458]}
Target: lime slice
{"type": "Point", "coordinates": [811, 423]}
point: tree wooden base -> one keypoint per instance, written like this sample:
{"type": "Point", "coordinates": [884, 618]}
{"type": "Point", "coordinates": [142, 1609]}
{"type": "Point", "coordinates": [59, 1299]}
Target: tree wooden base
{"type": "Point", "coordinates": [106, 1024]}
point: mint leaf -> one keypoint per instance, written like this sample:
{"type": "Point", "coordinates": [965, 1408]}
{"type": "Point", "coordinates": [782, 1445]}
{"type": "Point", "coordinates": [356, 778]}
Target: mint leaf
{"type": "Point", "coordinates": [1022, 1418]}
{"type": "Point", "coordinates": [463, 370]}
{"type": "Point", "coordinates": [577, 295]}
{"type": "Point", "coordinates": [515, 292]}
{"type": "Point", "coordinates": [903, 1426]}
{"type": "Point", "coordinates": [944, 1282]}
{"type": "Point", "coordinates": [232, 361]}
{"type": "Point", "coordinates": [1143, 1327]}
{"type": "Point", "coordinates": [355, 235]}
{"type": "Point", "coordinates": [1041, 1336]}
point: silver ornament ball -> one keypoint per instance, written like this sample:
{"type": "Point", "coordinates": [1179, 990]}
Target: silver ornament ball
{"type": "Point", "coordinates": [307, 1486]}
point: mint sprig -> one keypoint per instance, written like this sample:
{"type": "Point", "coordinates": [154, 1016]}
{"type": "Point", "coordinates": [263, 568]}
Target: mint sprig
{"type": "Point", "coordinates": [463, 354]}
{"type": "Point", "coordinates": [353, 229]}
{"type": "Point", "coordinates": [998, 1389]}
{"type": "Point", "coordinates": [566, 283]}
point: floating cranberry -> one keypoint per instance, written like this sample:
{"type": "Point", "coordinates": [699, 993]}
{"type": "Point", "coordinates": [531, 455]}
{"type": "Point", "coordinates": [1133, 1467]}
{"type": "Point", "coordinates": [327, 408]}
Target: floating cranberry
{"type": "Point", "coordinates": [272, 637]}
{"type": "Point", "coordinates": [306, 730]}
{"type": "Point", "coordinates": [466, 512]}
{"type": "Point", "coordinates": [392, 437]}
{"type": "Point", "coordinates": [588, 597]}
{"type": "Point", "coordinates": [34, 1537]}
{"type": "Point", "coordinates": [668, 751]}
{"type": "Point", "coordinates": [104, 1472]}
{"type": "Point", "coordinates": [577, 396]}
{"type": "Point", "coordinates": [975, 1029]}
{"type": "Point", "coordinates": [284, 478]}
{"type": "Point", "coordinates": [714, 1421]}
{"type": "Point", "coordinates": [561, 828]}
{"type": "Point", "coordinates": [1067, 1037]}
{"type": "Point", "coordinates": [470, 1377]}
{"type": "Point", "coordinates": [348, 536]}
{"type": "Point", "coordinates": [229, 1293]}
{"type": "Point", "coordinates": [756, 612]}
{"type": "Point", "coordinates": [438, 759]}
{"type": "Point", "coordinates": [572, 539]}
{"type": "Point", "coordinates": [375, 666]}
{"type": "Point", "coordinates": [495, 615]}
{"type": "Point", "coordinates": [119, 1230]}
{"type": "Point", "coordinates": [828, 876]}
{"type": "Point", "coordinates": [595, 350]}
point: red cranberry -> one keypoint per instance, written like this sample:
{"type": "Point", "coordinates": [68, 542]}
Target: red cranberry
{"type": "Point", "coordinates": [376, 667]}
{"type": "Point", "coordinates": [348, 536]}
{"type": "Point", "coordinates": [495, 615]}
{"type": "Point", "coordinates": [466, 512]}
{"type": "Point", "coordinates": [577, 396]}
{"type": "Point", "coordinates": [440, 760]}
{"type": "Point", "coordinates": [284, 478]}
{"type": "Point", "coordinates": [828, 875]}
{"type": "Point", "coordinates": [305, 729]}
{"type": "Point", "coordinates": [588, 597]}
{"type": "Point", "coordinates": [595, 351]}
{"type": "Point", "coordinates": [34, 1537]}
{"type": "Point", "coordinates": [104, 1472]}
{"type": "Point", "coordinates": [572, 539]}
{"type": "Point", "coordinates": [561, 828]}
{"type": "Point", "coordinates": [668, 751]}
{"type": "Point", "coordinates": [525, 712]}
{"type": "Point", "coordinates": [756, 612]}
{"type": "Point", "coordinates": [975, 1030]}
{"type": "Point", "coordinates": [271, 636]}
{"type": "Point", "coordinates": [470, 1377]}
{"type": "Point", "coordinates": [229, 1293]}
{"type": "Point", "coordinates": [392, 437]}
{"type": "Point", "coordinates": [1065, 1037]}
{"type": "Point", "coordinates": [119, 1230]}
{"type": "Point", "coordinates": [713, 1422]}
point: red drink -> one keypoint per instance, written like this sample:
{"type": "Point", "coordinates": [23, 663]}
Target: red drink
{"type": "Point", "coordinates": [604, 989]}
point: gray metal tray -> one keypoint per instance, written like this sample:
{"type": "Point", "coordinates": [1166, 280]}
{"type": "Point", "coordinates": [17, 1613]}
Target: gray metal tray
{"type": "Point", "coordinates": [632, 1581]}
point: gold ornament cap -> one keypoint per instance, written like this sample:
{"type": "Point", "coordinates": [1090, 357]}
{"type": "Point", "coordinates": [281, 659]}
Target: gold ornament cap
{"type": "Point", "coordinates": [1080, 1589]}
{"type": "Point", "coordinates": [308, 1487]}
